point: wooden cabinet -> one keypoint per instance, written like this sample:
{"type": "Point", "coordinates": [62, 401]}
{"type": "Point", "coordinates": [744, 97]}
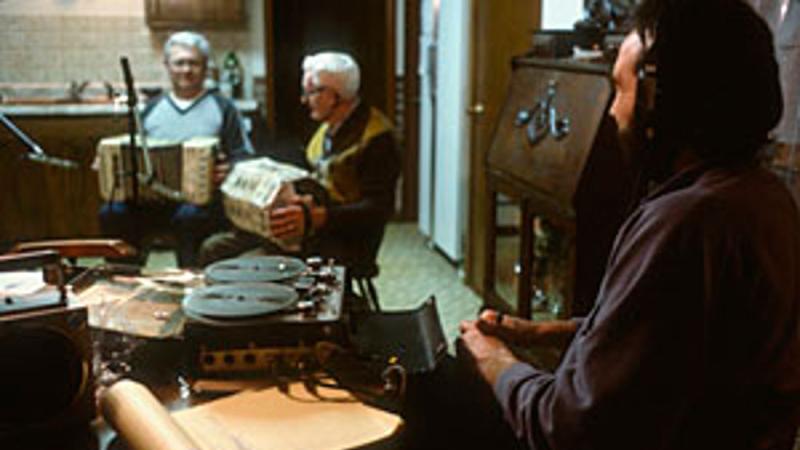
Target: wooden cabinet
{"type": "Point", "coordinates": [178, 14]}
{"type": "Point", "coordinates": [45, 202]}
{"type": "Point", "coordinates": [555, 153]}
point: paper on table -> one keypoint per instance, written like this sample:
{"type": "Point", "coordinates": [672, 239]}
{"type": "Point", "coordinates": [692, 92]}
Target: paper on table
{"type": "Point", "coordinates": [266, 419]}
{"type": "Point", "coordinates": [21, 282]}
{"type": "Point", "coordinates": [139, 307]}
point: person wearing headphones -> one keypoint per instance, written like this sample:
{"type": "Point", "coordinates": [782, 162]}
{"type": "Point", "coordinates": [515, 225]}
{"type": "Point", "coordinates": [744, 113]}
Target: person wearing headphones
{"type": "Point", "coordinates": [694, 339]}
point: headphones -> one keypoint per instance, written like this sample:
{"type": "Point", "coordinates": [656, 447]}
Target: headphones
{"type": "Point", "coordinates": [646, 158]}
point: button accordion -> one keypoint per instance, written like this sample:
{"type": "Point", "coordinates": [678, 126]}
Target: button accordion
{"type": "Point", "coordinates": [253, 188]}
{"type": "Point", "coordinates": [179, 171]}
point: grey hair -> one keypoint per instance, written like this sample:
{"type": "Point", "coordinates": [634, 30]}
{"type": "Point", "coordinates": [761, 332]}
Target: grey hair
{"type": "Point", "coordinates": [188, 39]}
{"type": "Point", "coordinates": [339, 71]}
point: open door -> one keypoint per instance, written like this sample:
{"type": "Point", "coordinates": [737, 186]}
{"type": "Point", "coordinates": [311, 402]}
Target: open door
{"type": "Point", "coordinates": [500, 30]}
{"type": "Point", "coordinates": [465, 50]}
{"type": "Point", "coordinates": [296, 28]}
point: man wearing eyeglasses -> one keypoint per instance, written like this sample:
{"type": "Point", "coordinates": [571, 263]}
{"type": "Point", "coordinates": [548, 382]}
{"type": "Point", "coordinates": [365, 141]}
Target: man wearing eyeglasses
{"type": "Point", "coordinates": [189, 110]}
{"type": "Point", "coordinates": [694, 339]}
{"type": "Point", "coordinates": [352, 155]}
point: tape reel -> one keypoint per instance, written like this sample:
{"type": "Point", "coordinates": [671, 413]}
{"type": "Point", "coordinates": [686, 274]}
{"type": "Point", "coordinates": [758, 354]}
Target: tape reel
{"type": "Point", "coordinates": [239, 300]}
{"type": "Point", "coordinates": [252, 269]}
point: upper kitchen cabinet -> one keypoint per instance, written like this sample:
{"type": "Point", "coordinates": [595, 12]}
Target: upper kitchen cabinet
{"type": "Point", "coordinates": [174, 14]}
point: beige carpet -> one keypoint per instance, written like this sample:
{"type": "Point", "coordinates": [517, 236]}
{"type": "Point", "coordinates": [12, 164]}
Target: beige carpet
{"type": "Point", "coordinates": [411, 271]}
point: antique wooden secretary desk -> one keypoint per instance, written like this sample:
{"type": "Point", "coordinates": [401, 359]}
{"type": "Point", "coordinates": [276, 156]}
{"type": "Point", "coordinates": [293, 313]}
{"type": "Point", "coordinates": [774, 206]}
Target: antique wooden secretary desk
{"type": "Point", "coordinates": [555, 155]}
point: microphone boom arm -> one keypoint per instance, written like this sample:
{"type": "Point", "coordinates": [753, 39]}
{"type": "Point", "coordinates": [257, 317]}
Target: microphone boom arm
{"type": "Point", "coordinates": [35, 153]}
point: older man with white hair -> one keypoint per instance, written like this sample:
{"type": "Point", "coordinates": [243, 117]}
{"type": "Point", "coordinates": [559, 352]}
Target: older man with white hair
{"type": "Point", "coordinates": [353, 156]}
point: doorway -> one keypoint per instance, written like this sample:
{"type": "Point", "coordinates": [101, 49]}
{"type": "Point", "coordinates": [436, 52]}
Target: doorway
{"type": "Point", "coordinates": [465, 50]}
{"type": "Point", "coordinates": [296, 28]}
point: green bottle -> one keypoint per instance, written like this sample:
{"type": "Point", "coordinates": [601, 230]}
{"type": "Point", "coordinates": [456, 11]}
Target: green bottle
{"type": "Point", "coordinates": [231, 83]}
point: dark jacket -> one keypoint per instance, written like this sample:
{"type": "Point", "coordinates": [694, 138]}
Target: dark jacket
{"type": "Point", "coordinates": [355, 224]}
{"type": "Point", "coordinates": [694, 342]}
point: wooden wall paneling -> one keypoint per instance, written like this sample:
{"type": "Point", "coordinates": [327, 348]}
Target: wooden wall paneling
{"type": "Point", "coordinates": [300, 27]}
{"type": "Point", "coordinates": [176, 14]}
{"type": "Point", "coordinates": [390, 82]}
{"type": "Point", "coordinates": [269, 60]}
{"type": "Point", "coordinates": [411, 83]}
{"type": "Point", "coordinates": [38, 201]}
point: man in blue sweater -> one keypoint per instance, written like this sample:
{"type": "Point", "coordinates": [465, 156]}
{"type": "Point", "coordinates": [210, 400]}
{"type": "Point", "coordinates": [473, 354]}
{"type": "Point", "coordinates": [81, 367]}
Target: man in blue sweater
{"type": "Point", "coordinates": [186, 112]}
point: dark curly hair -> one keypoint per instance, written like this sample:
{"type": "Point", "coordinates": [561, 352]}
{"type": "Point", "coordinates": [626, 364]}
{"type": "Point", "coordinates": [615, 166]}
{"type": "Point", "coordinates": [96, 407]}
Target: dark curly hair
{"type": "Point", "coordinates": [717, 90]}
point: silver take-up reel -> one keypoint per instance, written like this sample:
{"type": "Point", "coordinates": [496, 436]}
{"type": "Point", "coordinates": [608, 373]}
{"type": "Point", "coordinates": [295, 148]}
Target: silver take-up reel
{"type": "Point", "coordinates": [263, 314]}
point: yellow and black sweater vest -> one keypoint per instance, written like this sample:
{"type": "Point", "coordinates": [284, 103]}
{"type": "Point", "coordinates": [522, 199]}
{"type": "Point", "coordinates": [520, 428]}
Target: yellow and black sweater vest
{"type": "Point", "coordinates": [338, 173]}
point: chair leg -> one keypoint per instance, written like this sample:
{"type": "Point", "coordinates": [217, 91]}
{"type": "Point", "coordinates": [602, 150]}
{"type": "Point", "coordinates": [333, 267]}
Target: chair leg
{"type": "Point", "coordinates": [360, 285]}
{"type": "Point", "coordinates": [373, 295]}
{"type": "Point", "coordinates": [367, 290]}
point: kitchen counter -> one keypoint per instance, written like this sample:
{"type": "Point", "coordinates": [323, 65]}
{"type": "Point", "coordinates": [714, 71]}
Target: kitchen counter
{"type": "Point", "coordinates": [44, 202]}
{"type": "Point", "coordinates": [246, 106]}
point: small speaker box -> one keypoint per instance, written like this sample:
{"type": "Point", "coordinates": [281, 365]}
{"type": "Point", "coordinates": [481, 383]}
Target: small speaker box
{"type": "Point", "coordinates": [46, 382]}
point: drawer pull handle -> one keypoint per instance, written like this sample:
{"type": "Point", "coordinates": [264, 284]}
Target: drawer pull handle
{"type": "Point", "coordinates": [543, 119]}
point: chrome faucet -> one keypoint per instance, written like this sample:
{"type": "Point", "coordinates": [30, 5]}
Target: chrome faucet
{"type": "Point", "coordinates": [109, 90]}
{"type": "Point", "coordinates": [76, 89]}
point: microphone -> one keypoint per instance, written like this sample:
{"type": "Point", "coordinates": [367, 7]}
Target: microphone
{"type": "Point", "coordinates": [134, 123]}
{"type": "Point", "coordinates": [51, 160]}
{"type": "Point", "coordinates": [132, 126]}
{"type": "Point", "coordinates": [126, 73]}
{"type": "Point", "coordinates": [35, 152]}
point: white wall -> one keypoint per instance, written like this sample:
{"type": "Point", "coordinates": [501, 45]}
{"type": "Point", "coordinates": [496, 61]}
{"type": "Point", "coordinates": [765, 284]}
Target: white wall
{"type": "Point", "coordinates": [561, 14]}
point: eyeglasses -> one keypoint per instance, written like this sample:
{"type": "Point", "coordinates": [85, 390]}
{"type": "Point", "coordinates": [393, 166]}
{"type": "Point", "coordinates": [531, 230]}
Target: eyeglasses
{"type": "Point", "coordinates": [311, 92]}
{"type": "Point", "coordinates": [190, 63]}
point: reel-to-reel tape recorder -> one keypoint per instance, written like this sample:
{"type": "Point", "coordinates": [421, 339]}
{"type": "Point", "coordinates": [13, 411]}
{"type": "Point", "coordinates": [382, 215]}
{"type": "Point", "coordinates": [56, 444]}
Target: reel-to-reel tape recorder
{"type": "Point", "coordinates": [263, 314]}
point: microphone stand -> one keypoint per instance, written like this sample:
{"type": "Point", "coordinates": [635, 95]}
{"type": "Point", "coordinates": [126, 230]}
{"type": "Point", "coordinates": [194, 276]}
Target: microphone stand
{"type": "Point", "coordinates": [132, 101]}
{"type": "Point", "coordinates": [147, 178]}
{"type": "Point", "coordinates": [35, 152]}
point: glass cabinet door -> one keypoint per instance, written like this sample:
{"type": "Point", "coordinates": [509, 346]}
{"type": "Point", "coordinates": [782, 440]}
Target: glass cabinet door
{"type": "Point", "coordinates": [551, 273]}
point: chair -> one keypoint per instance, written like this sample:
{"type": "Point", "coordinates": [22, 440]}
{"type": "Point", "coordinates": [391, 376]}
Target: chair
{"type": "Point", "coordinates": [361, 276]}
{"type": "Point", "coordinates": [362, 264]}
{"type": "Point", "coordinates": [70, 250]}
